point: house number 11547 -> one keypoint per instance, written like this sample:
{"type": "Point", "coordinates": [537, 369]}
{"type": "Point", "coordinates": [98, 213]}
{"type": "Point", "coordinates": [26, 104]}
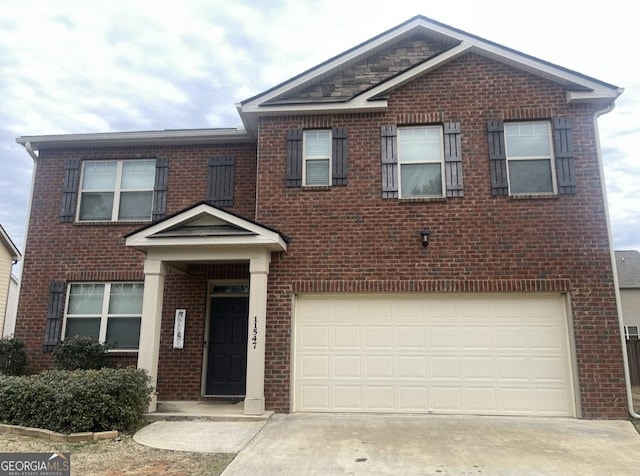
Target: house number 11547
{"type": "Point", "coordinates": [254, 339]}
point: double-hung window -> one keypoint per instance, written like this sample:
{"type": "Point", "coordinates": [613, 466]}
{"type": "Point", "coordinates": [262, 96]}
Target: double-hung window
{"type": "Point", "coordinates": [110, 312]}
{"type": "Point", "coordinates": [317, 158]}
{"type": "Point", "coordinates": [116, 190]}
{"type": "Point", "coordinates": [529, 158]}
{"type": "Point", "coordinates": [421, 160]}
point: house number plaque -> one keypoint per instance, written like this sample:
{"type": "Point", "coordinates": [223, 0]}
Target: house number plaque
{"type": "Point", "coordinates": [178, 329]}
{"type": "Point", "coordinates": [254, 339]}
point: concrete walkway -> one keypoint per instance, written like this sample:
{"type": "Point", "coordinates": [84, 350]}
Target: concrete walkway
{"type": "Point", "coordinates": [438, 445]}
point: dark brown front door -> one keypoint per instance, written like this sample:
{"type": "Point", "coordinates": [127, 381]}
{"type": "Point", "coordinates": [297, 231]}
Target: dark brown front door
{"type": "Point", "coordinates": [227, 361]}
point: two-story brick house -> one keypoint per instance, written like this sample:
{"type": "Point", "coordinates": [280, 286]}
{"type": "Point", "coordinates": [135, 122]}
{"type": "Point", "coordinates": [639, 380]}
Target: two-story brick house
{"type": "Point", "coordinates": [415, 225]}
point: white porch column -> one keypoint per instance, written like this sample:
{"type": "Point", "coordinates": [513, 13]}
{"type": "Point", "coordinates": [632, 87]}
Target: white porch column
{"type": "Point", "coordinates": [154, 273]}
{"type": "Point", "coordinates": [259, 270]}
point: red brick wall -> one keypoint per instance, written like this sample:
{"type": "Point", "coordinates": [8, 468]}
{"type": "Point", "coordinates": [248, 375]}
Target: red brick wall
{"type": "Point", "coordinates": [96, 252]}
{"type": "Point", "coordinates": [344, 236]}
{"type": "Point", "coordinates": [348, 239]}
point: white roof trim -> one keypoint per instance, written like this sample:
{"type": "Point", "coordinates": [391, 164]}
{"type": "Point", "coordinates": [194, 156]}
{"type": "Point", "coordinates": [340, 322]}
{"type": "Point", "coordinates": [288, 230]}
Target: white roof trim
{"type": "Point", "coordinates": [260, 236]}
{"type": "Point", "coordinates": [165, 137]}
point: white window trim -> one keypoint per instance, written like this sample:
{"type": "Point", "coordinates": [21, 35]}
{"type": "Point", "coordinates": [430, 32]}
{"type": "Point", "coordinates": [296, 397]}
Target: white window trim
{"type": "Point", "coordinates": [442, 171]}
{"type": "Point", "coordinates": [550, 158]}
{"type": "Point", "coordinates": [636, 334]}
{"type": "Point", "coordinates": [117, 190]}
{"type": "Point", "coordinates": [305, 159]}
{"type": "Point", "coordinates": [104, 312]}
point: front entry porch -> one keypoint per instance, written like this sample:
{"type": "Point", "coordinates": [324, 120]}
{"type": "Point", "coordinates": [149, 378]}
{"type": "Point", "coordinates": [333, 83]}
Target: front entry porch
{"type": "Point", "coordinates": [207, 235]}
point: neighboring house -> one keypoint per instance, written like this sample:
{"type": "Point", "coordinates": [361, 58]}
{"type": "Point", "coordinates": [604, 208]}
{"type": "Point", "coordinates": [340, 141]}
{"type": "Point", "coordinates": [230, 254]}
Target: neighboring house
{"type": "Point", "coordinates": [9, 255]}
{"type": "Point", "coordinates": [416, 225]}
{"type": "Point", "coordinates": [12, 307]}
{"type": "Point", "coordinates": [628, 267]}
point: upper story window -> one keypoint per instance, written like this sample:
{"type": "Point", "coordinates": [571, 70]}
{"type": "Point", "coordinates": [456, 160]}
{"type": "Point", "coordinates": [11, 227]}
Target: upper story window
{"type": "Point", "coordinates": [529, 158]}
{"type": "Point", "coordinates": [116, 190]}
{"type": "Point", "coordinates": [420, 155]}
{"type": "Point", "coordinates": [317, 158]}
{"type": "Point", "coordinates": [110, 312]}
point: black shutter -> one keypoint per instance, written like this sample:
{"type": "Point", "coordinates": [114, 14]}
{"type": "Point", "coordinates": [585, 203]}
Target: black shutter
{"type": "Point", "coordinates": [53, 326]}
{"type": "Point", "coordinates": [294, 158]}
{"type": "Point", "coordinates": [160, 189]}
{"type": "Point", "coordinates": [339, 156]}
{"type": "Point", "coordinates": [222, 173]}
{"type": "Point", "coordinates": [70, 190]}
{"type": "Point", "coordinates": [497, 158]}
{"type": "Point", "coordinates": [565, 164]}
{"type": "Point", "coordinates": [389, 157]}
{"type": "Point", "coordinates": [453, 159]}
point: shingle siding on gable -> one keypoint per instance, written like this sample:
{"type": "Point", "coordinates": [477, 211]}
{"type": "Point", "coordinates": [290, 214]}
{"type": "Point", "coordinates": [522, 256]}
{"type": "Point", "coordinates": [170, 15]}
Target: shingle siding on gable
{"type": "Point", "coordinates": [363, 74]}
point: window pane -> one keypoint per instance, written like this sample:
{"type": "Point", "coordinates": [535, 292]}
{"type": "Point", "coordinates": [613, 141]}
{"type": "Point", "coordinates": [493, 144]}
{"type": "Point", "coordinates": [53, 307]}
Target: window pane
{"type": "Point", "coordinates": [138, 174]}
{"type": "Point", "coordinates": [96, 206]}
{"type": "Point", "coordinates": [422, 180]}
{"type": "Point", "coordinates": [527, 140]}
{"type": "Point", "coordinates": [530, 176]}
{"type": "Point", "coordinates": [99, 176]}
{"type": "Point", "coordinates": [85, 299]}
{"type": "Point", "coordinates": [135, 205]}
{"type": "Point", "coordinates": [316, 143]}
{"type": "Point", "coordinates": [83, 326]}
{"type": "Point", "coordinates": [126, 298]}
{"type": "Point", "coordinates": [419, 144]}
{"type": "Point", "coordinates": [317, 172]}
{"type": "Point", "coordinates": [124, 332]}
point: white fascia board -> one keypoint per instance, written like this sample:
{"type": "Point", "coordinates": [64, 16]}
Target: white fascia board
{"type": "Point", "coordinates": [165, 137]}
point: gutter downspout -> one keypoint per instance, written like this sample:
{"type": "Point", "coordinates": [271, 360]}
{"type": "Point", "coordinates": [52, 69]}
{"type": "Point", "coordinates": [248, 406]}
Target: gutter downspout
{"type": "Point", "coordinates": [625, 356]}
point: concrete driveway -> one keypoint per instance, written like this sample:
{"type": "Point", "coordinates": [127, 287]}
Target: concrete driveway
{"type": "Point", "coordinates": [312, 444]}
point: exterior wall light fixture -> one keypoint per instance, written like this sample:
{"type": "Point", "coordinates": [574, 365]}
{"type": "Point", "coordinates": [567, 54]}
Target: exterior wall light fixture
{"type": "Point", "coordinates": [424, 235]}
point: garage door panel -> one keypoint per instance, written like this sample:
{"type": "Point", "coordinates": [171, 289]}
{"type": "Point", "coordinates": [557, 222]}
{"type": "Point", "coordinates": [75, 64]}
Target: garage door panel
{"type": "Point", "coordinates": [347, 337]}
{"type": "Point", "coordinates": [412, 367]}
{"type": "Point", "coordinates": [446, 399]}
{"type": "Point", "coordinates": [477, 337]}
{"type": "Point", "coordinates": [443, 337]}
{"type": "Point", "coordinates": [347, 366]}
{"type": "Point", "coordinates": [445, 367]}
{"type": "Point", "coordinates": [380, 398]}
{"type": "Point", "coordinates": [476, 367]}
{"type": "Point", "coordinates": [379, 366]}
{"type": "Point", "coordinates": [454, 354]}
{"type": "Point", "coordinates": [315, 337]}
{"type": "Point", "coordinates": [412, 398]}
{"type": "Point", "coordinates": [379, 337]}
{"type": "Point", "coordinates": [315, 366]}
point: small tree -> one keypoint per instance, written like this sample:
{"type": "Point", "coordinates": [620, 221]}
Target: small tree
{"type": "Point", "coordinates": [13, 357]}
{"type": "Point", "coordinates": [81, 353]}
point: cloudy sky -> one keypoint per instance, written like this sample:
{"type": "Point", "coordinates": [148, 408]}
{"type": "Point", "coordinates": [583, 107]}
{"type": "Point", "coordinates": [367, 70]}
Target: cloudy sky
{"type": "Point", "coordinates": [75, 66]}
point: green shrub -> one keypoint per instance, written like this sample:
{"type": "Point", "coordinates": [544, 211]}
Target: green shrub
{"type": "Point", "coordinates": [13, 357]}
{"type": "Point", "coordinates": [76, 401]}
{"type": "Point", "coordinates": [81, 353]}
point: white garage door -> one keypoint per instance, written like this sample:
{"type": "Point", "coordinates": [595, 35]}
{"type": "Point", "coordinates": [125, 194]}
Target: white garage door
{"type": "Point", "coordinates": [475, 354]}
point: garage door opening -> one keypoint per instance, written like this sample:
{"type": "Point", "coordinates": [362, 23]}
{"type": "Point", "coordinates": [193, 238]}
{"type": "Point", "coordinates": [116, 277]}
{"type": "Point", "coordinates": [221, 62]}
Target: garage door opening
{"type": "Point", "coordinates": [443, 354]}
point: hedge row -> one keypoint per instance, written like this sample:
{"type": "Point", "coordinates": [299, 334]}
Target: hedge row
{"type": "Point", "coordinates": [76, 401]}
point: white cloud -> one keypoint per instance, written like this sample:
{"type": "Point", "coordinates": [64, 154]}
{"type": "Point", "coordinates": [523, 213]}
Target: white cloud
{"type": "Point", "coordinates": [75, 66]}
